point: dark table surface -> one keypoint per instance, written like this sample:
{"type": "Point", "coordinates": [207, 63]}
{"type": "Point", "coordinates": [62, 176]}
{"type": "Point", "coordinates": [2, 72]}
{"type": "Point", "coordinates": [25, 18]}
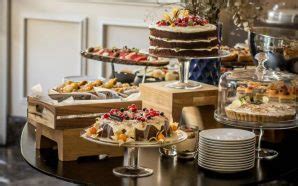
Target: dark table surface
{"type": "Point", "coordinates": [167, 171]}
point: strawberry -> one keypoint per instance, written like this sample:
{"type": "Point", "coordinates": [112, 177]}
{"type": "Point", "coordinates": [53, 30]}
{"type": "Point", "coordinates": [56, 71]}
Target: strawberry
{"type": "Point", "coordinates": [131, 55]}
{"type": "Point", "coordinates": [141, 58]}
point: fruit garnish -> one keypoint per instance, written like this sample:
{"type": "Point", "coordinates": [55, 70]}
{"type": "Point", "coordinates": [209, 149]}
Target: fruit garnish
{"type": "Point", "coordinates": [181, 18]}
{"type": "Point", "coordinates": [160, 137]}
{"type": "Point", "coordinates": [106, 115]}
{"type": "Point", "coordinates": [92, 130]}
{"type": "Point", "coordinates": [122, 137]}
{"type": "Point", "coordinates": [174, 126]}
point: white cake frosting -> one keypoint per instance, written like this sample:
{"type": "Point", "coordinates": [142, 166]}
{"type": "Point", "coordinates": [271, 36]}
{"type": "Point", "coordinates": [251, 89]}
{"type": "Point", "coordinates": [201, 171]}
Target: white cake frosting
{"type": "Point", "coordinates": [188, 29]}
{"type": "Point", "coordinates": [182, 49]}
{"type": "Point", "coordinates": [207, 40]}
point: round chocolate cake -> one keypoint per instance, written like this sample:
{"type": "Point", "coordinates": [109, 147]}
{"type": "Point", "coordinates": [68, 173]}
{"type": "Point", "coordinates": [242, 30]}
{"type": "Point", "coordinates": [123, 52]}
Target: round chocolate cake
{"type": "Point", "coordinates": [181, 34]}
{"type": "Point", "coordinates": [132, 125]}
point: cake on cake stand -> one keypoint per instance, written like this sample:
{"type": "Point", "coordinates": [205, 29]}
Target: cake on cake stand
{"type": "Point", "coordinates": [131, 155]}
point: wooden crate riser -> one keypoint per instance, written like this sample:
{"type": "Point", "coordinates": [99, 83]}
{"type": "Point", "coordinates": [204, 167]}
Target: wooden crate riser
{"type": "Point", "coordinates": [70, 145]}
{"type": "Point", "coordinates": [71, 116]}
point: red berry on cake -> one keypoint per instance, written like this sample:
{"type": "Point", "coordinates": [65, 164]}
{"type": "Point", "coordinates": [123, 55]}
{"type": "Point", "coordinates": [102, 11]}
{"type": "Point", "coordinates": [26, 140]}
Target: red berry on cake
{"type": "Point", "coordinates": [106, 115]}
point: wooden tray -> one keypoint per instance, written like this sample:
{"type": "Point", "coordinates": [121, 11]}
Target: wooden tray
{"type": "Point", "coordinates": [70, 116]}
{"type": "Point", "coordinates": [107, 59]}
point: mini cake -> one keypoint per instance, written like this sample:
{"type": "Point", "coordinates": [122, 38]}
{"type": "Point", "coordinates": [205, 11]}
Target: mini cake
{"type": "Point", "coordinates": [244, 110]}
{"type": "Point", "coordinates": [132, 125]}
{"type": "Point", "coordinates": [181, 34]}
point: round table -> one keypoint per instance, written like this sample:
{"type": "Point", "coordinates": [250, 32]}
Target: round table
{"type": "Point", "coordinates": [167, 171]}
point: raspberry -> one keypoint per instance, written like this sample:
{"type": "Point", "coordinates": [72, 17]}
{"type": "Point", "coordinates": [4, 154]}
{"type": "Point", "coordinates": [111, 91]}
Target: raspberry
{"type": "Point", "coordinates": [106, 115]}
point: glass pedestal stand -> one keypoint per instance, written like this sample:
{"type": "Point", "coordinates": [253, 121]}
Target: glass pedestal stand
{"type": "Point", "coordinates": [131, 166]}
{"type": "Point", "coordinates": [184, 62]}
{"type": "Point", "coordinates": [183, 82]}
{"type": "Point", "coordinates": [262, 153]}
{"type": "Point", "coordinates": [258, 128]}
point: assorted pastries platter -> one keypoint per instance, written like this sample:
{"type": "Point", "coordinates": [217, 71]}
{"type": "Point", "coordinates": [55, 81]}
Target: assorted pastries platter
{"type": "Point", "coordinates": [127, 56]}
{"type": "Point", "coordinates": [239, 56]}
{"type": "Point", "coordinates": [97, 89]}
{"type": "Point", "coordinates": [263, 102]}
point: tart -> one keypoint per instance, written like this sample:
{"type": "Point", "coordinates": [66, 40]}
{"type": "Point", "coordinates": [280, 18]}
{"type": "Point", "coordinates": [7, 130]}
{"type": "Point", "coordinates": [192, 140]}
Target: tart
{"type": "Point", "coordinates": [243, 110]}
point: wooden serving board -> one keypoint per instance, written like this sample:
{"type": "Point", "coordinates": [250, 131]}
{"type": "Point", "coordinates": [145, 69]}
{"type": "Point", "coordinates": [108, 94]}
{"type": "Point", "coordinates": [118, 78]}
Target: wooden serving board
{"type": "Point", "coordinates": [70, 116]}
{"type": "Point", "coordinates": [107, 59]}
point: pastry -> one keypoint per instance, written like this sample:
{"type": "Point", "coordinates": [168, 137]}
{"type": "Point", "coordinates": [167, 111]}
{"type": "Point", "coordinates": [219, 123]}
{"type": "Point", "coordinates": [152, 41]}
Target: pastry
{"type": "Point", "coordinates": [84, 86]}
{"type": "Point", "coordinates": [243, 110]}
{"type": "Point", "coordinates": [182, 34]}
{"type": "Point", "coordinates": [132, 125]}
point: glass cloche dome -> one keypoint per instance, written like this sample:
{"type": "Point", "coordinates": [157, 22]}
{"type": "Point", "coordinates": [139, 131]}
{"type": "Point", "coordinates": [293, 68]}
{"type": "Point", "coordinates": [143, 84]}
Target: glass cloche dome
{"type": "Point", "coordinates": [257, 97]}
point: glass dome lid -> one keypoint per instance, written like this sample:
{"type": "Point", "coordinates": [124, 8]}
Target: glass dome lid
{"type": "Point", "coordinates": [261, 73]}
{"type": "Point", "coordinates": [258, 97]}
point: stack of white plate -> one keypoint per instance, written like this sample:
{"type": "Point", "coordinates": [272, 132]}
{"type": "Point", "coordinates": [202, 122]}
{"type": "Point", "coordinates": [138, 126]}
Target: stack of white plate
{"type": "Point", "coordinates": [226, 150]}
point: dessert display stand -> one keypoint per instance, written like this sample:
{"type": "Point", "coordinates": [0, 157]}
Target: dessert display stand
{"type": "Point", "coordinates": [124, 62]}
{"type": "Point", "coordinates": [131, 166]}
{"type": "Point", "coordinates": [184, 62]}
{"type": "Point", "coordinates": [61, 125]}
{"type": "Point", "coordinates": [262, 153]}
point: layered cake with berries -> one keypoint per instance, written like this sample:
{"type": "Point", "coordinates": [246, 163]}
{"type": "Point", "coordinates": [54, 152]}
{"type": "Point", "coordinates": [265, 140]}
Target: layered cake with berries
{"type": "Point", "coordinates": [131, 124]}
{"type": "Point", "coordinates": [182, 34]}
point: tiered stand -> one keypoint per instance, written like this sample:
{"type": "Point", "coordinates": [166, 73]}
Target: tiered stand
{"type": "Point", "coordinates": [184, 62]}
{"type": "Point", "coordinates": [131, 166]}
{"type": "Point", "coordinates": [260, 127]}
{"type": "Point", "coordinates": [113, 61]}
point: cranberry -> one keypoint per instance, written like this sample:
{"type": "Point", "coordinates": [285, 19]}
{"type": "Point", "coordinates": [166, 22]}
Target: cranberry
{"type": "Point", "coordinates": [143, 119]}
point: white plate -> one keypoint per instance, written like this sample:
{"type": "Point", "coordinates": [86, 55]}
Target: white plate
{"type": "Point", "coordinates": [231, 143]}
{"type": "Point", "coordinates": [227, 151]}
{"type": "Point", "coordinates": [224, 162]}
{"type": "Point", "coordinates": [228, 166]}
{"type": "Point", "coordinates": [236, 147]}
{"type": "Point", "coordinates": [227, 134]}
{"type": "Point", "coordinates": [227, 146]}
{"type": "Point", "coordinates": [227, 159]}
{"type": "Point", "coordinates": [224, 170]}
{"type": "Point", "coordinates": [227, 156]}
{"type": "Point", "coordinates": [253, 140]}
